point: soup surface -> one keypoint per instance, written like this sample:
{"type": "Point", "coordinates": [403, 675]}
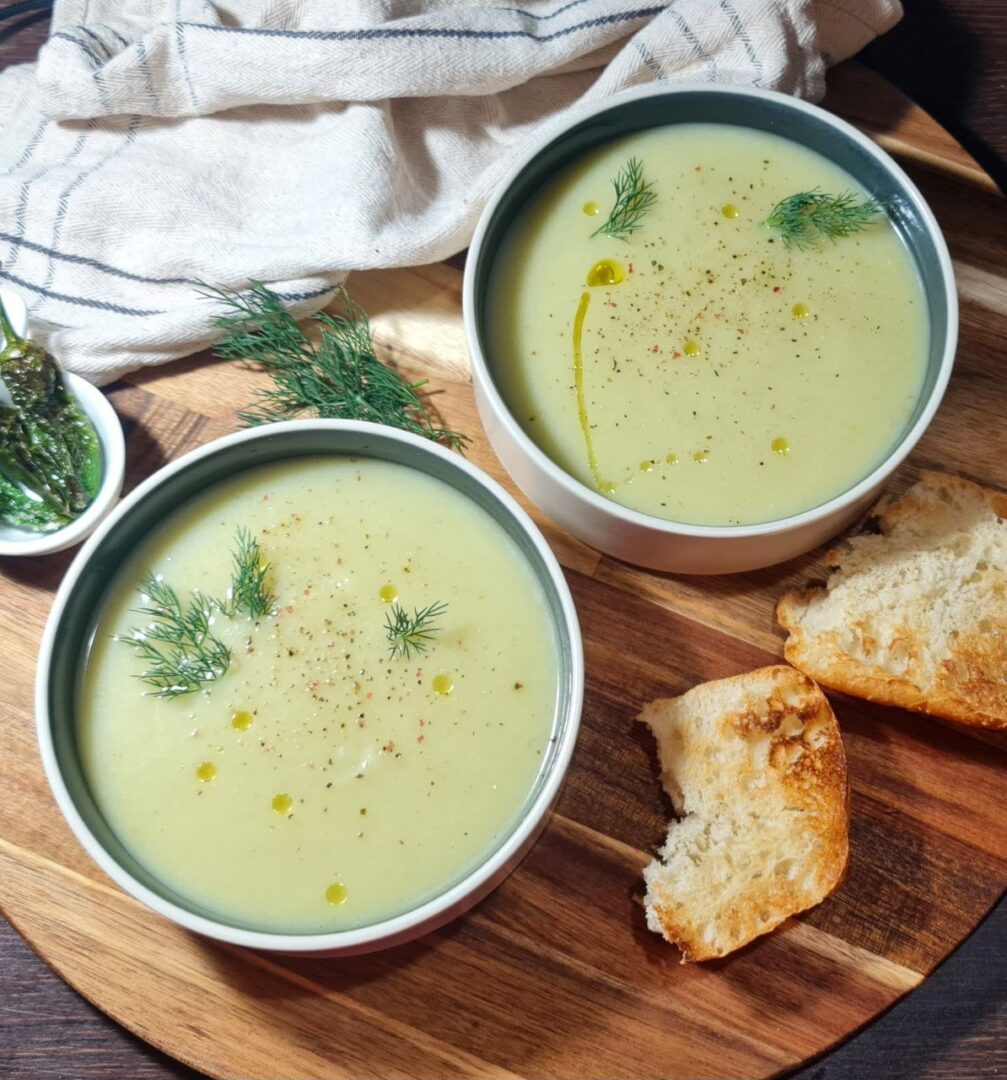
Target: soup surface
{"type": "Point", "coordinates": [319, 783]}
{"type": "Point", "coordinates": [700, 370]}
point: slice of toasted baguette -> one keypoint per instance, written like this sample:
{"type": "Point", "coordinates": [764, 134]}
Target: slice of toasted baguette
{"type": "Point", "coordinates": [915, 616]}
{"type": "Point", "coordinates": [755, 766]}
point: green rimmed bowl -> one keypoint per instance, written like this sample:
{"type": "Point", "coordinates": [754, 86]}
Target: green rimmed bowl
{"type": "Point", "coordinates": [71, 627]}
{"type": "Point", "coordinates": [632, 535]}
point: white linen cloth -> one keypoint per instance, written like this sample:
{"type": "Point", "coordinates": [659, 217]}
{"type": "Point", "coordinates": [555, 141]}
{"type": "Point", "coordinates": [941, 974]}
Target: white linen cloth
{"type": "Point", "coordinates": [156, 143]}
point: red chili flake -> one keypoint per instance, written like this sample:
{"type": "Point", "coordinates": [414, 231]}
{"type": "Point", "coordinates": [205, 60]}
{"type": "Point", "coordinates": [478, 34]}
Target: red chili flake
{"type": "Point", "coordinates": [676, 355]}
{"type": "Point", "coordinates": [611, 303]}
{"type": "Point", "coordinates": [718, 315]}
{"type": "Point", "coordinates": [630, 268]}
{"type": "Point", "coordinates": [369, 695]}
{"type": "Point", "coordinates": [423, 722]}
{"type": "Point", "coordinates": [312, 685]}
{"type": "Point", "coordinates": [289, 609]}
{"type": "Point", "coordinates": [307, 591]}
{"type": "Point", "coordinates": [389, 746]}
{"type": "Point", "coordinates": [655, 348]}
{"type": "Point", "coordinates": [420, 738]}
{"type": "Point", "coordinates": [265, 498]}
{"type": "Point", "coordinates": [776, 288]}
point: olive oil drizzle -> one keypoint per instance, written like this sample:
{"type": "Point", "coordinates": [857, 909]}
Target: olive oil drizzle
{"type": "Point", "coordinates": [578, 379]}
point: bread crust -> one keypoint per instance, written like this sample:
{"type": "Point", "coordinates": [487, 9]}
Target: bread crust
{"type": "Point", "coordinates": [960, 676]}
{"type": "Point", "coordinates": [790, 760]}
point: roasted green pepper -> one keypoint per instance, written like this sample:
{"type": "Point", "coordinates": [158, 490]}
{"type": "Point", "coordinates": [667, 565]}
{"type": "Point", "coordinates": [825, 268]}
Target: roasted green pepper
{"type": "Point", "coordinates": [50, 456]}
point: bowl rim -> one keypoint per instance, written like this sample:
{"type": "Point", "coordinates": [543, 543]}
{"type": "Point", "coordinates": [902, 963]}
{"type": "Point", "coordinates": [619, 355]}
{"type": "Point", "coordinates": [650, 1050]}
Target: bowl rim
{"type": "Point", "coordinates": [486, 385]}
{"type": "Point", "coordinates": [431, 912]}
{"type": "Point", "coordinates": [109, 430]}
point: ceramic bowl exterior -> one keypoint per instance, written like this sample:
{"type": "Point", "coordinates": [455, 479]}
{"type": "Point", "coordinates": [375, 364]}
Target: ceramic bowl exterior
{"type": "Point", "coordinates": [71, 624]}
{"type": "Point", "coordinates": [641, 538]}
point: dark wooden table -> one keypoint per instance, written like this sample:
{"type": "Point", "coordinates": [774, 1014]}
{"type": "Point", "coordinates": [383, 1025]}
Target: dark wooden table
{"type": "Point", "coordinates": [951, 56]}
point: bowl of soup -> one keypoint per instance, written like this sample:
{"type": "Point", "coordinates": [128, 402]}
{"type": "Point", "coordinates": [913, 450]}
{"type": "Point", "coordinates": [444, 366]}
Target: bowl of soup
{"type": "Point", "coordinates": [311, 688]}
{"type": "Point", "coordinates": [706, 325]}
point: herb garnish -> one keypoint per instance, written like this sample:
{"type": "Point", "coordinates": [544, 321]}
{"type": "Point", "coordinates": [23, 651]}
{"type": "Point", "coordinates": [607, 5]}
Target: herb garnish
{"type": "Point", "coordinates": [337, 377]}
{"type": "Point", "coordinates": [809, 216]}
{"type": "Point", "coordinates": [50, 457]}
{"type": "Point", "coordinates": [411, 633]}
{"type": "Point", "coordinates": [248, 591]}
{"type": "Point", "coordinates": [633, 198]}
{"type": "Point", "coordinates": [177, 643]}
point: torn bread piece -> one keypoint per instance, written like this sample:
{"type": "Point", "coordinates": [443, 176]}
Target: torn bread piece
{"type": "Point", "coordinates": [915, 616]}
{"type": "Point", "coordinates": [756, 769]}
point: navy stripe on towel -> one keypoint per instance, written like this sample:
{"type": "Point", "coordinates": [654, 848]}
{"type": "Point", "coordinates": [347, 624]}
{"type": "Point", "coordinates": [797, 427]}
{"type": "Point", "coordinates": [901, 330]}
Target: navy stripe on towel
{"type": "Point", "coordinates": [551, 15]}
{"type": "Point", "coordinates": [385, 32]}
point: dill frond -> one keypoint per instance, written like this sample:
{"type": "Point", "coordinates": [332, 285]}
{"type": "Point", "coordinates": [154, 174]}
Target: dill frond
{"type": "Point", "coordinates": [181, 653]}
{"type": "Point", "coordinates": [411, 633]}
{"type": "Point", "coordinates": [338, 377]}
{"type": "Point", "coordinates": [249, 592]}
{"type": "Point", "coordinates": [633, 198]}
{"type": "Point", "coordinates": [810, 216]}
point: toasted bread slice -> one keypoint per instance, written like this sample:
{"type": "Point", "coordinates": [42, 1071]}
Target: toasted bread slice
{"type": "Point", "coordinates": [755, 766]}
{"type": "Point", "coordinates": [915, 616]}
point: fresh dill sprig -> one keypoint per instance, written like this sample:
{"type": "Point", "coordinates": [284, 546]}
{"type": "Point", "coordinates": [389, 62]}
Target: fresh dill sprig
{"type": "Point", "coordinates": [633, 198]}
{"type": "Point", "coordinates": [336, 377]}
{"type": "Point", "coordinates": [810, 216]}
{"type": "Point", "coordinates": [248, 592]}
{"type": "Point", "coordinates": [411, 633]}
{"type": "Point", "coordinates": [177, 644]}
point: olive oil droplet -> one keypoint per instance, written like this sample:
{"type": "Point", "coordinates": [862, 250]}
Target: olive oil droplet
{"type": "Point", "coordinates": [646, 466]}
{"type": "Point", "coordinates": [606, 272]}
{"type": "Point", "coordinates": [606, 487]}
{"type": "Point", "coordinates": [672, 459]}
{"type": "Point", "coordinates": [780, 445]}
{"type": "Point", "coordinates": [337, 893]}
{"type": "Point", "coordinates": [442, 684]}
{"type": "Point", "coordinates": [242, 720]}
{"type": "Point", "coordinates": [388, 593]}
{"type": "Point", "coordinates": [701, 456]}
{"type": "Point", "coordinates": [692, 348]}
{"type": "Point", "coordinates": [729, 210]}
{"type": "Point", "coordinates": [206, 772]}
{"type": "Point", "coordinates": [800, 311]}
{"type": "Point", "coordinates": [591, 208]}
{"type": "Point", "coordinates": [282, 804]}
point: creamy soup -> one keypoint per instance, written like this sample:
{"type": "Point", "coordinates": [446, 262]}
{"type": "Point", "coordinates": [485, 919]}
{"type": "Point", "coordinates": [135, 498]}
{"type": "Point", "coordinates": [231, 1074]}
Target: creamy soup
{"type": "Point", "coordinates": [321, 783]}
{"type": "Point", "coordinates": [700, 370]}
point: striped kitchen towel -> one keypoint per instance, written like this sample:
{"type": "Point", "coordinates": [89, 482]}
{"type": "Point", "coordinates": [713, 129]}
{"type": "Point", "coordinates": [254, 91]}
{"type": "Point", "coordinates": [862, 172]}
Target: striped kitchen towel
{"type": "Point", "coordinates": [156, 143]}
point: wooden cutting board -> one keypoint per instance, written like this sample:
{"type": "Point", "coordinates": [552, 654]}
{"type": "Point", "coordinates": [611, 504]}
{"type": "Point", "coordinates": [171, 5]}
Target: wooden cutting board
{"type": "Point", "coordinates": [555, 975]}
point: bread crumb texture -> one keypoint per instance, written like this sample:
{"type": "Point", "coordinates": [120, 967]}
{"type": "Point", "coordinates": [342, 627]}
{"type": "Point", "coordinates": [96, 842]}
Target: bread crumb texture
{"type": "Point", "coordinates": [755, 767]}
{"type": "Point", "coordinates": [917, 615]}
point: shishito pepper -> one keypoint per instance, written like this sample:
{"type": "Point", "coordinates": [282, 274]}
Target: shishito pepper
{"type": "Point", "coordinates": [50, 456]}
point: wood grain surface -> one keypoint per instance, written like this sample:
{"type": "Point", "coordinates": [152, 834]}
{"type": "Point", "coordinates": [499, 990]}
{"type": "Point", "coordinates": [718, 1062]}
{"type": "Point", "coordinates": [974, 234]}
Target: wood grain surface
{"type": "Point", "coordinates": [555, 974]}
{"type": "Point", "coordinates": [950, 57]}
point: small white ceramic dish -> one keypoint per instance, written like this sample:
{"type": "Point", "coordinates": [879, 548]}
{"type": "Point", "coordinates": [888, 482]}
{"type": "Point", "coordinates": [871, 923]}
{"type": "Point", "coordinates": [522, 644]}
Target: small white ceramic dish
{"type": "Point", "coordinates": [71, 625]}
{"type": "Point", "coordinates": [607, 525]}
{"type": "Point", "coordinates": [113, 449]}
